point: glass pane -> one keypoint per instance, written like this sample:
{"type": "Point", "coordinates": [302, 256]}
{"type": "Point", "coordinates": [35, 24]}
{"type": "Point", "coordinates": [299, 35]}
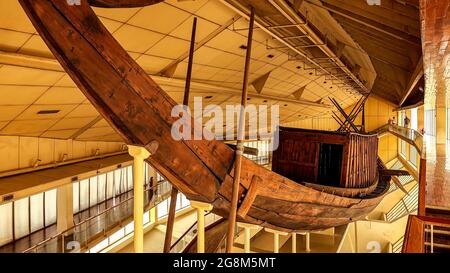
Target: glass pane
{"type": "Point", "coordinates": [146, 217]}
{"type": "Point", "coordinates": [184, 201]}
{"type": "Point", "coordinates": [21, 218]}
{"type": "Point", "coordinates": [109, 184]}
{"type": "Point", "coordinates": [37, 211]}
{"type": "Point", "coordinates": [101, 187]}
{"type": "Point", "coordinates": [129, 228]}
{"type": "Point", "coordinates": [130, 178]}
{"type": "Point", "coordinates": [93, 191]}
{"type": "Point", "coordinates": [117, 181]}
{"type": "Point", "coordinates": [50, 207]}
{"type": "Point", "coordinates": [76, 195]}
{"type": "Point", "coordinates": [178, 205]}
{"type": "Point", "coordinates": [84, 194]}
{"type": "Point", "coordinates": [117, 235]}
{"type": "Point", "coordinates": [162, 208]}
{"type": "Point", "coordinates": [6, 228]}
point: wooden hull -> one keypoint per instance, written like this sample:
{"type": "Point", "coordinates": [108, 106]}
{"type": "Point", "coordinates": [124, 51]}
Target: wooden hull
{"type": "Point", "coordinates": [140, 111]}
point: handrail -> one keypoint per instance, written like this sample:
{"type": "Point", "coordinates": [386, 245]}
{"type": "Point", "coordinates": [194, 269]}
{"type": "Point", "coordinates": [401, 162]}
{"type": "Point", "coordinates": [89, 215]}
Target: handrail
{"type": "Point", "coordinates": [186, 232]}
{"type": "Point", "coordinates": [414, 241]}
{"type": "Point", "coordinates": [85, 221]}
{"type": "Point", "coordinates": [407, 134]}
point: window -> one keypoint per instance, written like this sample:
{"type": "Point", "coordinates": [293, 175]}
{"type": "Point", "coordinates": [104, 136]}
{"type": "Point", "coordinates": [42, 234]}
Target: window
{"type": "Point", "coordinates": [50, 207]}
{"type": "Point", "coordinates": [21, 219]}
{"type": "Point", "coordinates": [430, 122]}
{"type": "Point", "coordinates": [414, 119]}
{"type": "Point", "coordinates": [403, 148]}
{"type": "Point", "coordinates": [413, 155]}
{"type": "Point", "coordinates": [6, 223]}
{"type": "Point", "coordinates": [36, 212]}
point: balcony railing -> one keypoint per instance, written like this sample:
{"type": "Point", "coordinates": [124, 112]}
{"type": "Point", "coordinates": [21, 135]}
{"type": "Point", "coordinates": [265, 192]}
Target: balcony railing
{"type": "Point", "coordinates": [407, 205]}
{"type": "Point", "coordinates": [409, 135]}
{"type": "Point", "coordinates": [99, 226]}
{"type": "Point", "coordinates": [427, 235]}
{"type": "Point", "coordinates": [190, 234]}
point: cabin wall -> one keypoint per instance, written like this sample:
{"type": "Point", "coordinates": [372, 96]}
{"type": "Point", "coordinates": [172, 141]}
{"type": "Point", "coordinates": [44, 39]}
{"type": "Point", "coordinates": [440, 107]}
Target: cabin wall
{"type": "Point", "coordinates": [23, 152]}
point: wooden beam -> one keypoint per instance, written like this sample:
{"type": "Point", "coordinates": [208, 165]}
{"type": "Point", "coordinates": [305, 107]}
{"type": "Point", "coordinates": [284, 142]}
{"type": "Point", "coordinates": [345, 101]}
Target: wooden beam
{"type": "Point", "coordinates": [369, 23]}
{"type": "Point", "coordinates": [415, 78]}
{"type": "Point", "coordinates": [121, 3]}
{"type": "Point", "coordinates": [174, 193]}
{"type": "Point", "coordinates": [388, 172]}
{"type": "Point", "coordinates": [238, 158]}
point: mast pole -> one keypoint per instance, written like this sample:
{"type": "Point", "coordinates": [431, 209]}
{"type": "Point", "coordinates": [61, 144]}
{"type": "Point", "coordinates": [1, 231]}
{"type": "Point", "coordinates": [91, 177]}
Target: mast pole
{"type": "Point", "coordinates": [174, 193]}
{"type": "Point", "coordinates": [240, 144]}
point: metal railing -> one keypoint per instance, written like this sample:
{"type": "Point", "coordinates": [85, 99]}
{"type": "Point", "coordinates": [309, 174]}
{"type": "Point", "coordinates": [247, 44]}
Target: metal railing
{"type": "Point", "coordinates": [397, 246]}
{"type": "Point", "coordinates": [409, 135]}
{"type": "Point", "coordinates": [407, 205]}
{"type": "Point", "coordinates": [82, 234]}
{"type": "Point", "coordinates": [191, 233]}
{"type": "Point", "coordinates": [426, 235]}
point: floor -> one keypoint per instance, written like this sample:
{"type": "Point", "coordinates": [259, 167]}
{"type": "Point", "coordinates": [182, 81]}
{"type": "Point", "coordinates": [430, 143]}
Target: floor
{"type": "Point", "coordinates": [154, 238]}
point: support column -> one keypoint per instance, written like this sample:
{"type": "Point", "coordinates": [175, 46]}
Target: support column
{"type": "Point", "coordinates": [276, 238]}
{"type": "Point", "coordinates": [247, 235]}
{"type": "Point", "coordinates": [307, 242]}
{"type": "Point", "coordinates": [64, 199]}
{"type": "Point", "coordinates": [294, 242]}
{"type": "Point", "coordinates": [139, 154]}
{"type": "Point", "coordinates": [201, 209]}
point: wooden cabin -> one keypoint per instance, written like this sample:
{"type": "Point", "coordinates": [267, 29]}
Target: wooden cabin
{"type": "Point", "coordinates": [346, 160]}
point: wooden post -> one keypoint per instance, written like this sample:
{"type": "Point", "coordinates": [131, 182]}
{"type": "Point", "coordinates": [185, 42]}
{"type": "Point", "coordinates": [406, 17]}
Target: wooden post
{"type": "Point", "coordinates": [240, 145]}
{"type": "Point", "coordinates": [139, 154]}
{"type": "Point", "coordinates": [422, 186]}
{"type": "Point", "coordinates": [174, 193]}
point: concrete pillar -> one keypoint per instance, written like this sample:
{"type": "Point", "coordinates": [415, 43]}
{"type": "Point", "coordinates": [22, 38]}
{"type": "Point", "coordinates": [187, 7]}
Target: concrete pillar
{"type": "Point", "coordinates": [139, 154]}
{"type": "Point", "coordinates": [247, 235]}
{"type": "Point", "coordinates": [276, 238]}
{"type": "Point", "coordinates": [64, 199]}
{"type": "Point", "coordinates": [201, 209]}
{"type": "Point", "coordinates": [294, 242]}
{"type": "Point", "coordinates": [307, 242]}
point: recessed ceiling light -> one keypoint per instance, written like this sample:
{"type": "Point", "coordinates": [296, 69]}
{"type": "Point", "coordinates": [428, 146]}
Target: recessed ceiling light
{"type": "Point", "coordinates": [243, 47]}
{"type": "Point", "coordinates": [285, 105]}
{"type": "Point", "coordinates": [264, 100]}
{"type": "Point", "coordinates": [270, 56]}
{"type": "Point", "coordinates": [310, 73]}
{"type": "Point", "coordinates": [47, 112]}
{"type": "Point", "coordinates": [208, 97]}
{"type": "Point", "coordinates": [248, 98]}
{"type": "Point", "coordinates": [325, 82]}
{"type": "Point", "coordinates": [298, 67]}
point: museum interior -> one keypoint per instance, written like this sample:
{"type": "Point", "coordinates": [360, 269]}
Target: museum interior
{"type": "Point", "coordinates": [224, 126]}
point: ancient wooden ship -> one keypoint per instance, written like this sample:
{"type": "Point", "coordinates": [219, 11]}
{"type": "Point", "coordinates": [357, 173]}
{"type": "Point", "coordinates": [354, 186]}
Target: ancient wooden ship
{"type": "Point", "coordinates": [319, 179]}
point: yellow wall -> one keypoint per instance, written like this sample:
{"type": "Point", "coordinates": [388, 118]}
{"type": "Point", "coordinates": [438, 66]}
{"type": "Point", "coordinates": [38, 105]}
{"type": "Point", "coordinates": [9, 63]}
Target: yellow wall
{"type": "Point", "coordinates": [377, 113]}
{"type": "Point", "coordinates": [326, 123]}
{"type": "Point", "coordinates": [22, 152]}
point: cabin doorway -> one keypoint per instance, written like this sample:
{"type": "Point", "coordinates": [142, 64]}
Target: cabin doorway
{"type": "Point", "coordinates": [330, 165]}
